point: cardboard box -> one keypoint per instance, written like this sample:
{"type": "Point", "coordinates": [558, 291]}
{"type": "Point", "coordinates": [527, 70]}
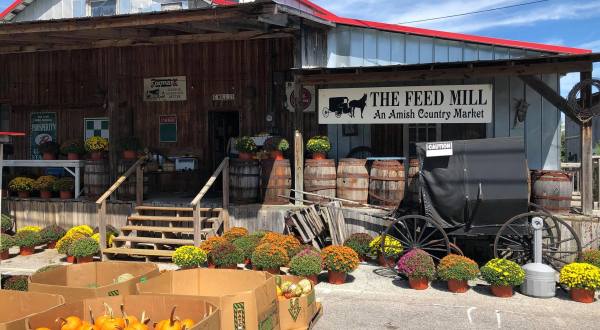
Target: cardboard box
{"type": "Point", "coordinates": [90, 280]}
{"type": "Point", "coordinates": [157, 308]}
{"type": "Point", "coordinates": [297, 313]}
{"type": "Point", "coordinates": [15, 306]}
{"type": "Point", "coordinates": [247, 299]}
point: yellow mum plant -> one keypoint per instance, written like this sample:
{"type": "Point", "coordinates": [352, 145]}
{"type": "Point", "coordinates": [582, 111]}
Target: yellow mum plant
{"type": "Point", "coordinates": [581, 276]}
{"type": "Point", "coordinates": [96, 143]}
{"type": "Point", "coordinates": [189, 256]}
{"type": "Point", "coordinates": [393, 247]}
{"type": "Point", "coordinates": [29, 228]}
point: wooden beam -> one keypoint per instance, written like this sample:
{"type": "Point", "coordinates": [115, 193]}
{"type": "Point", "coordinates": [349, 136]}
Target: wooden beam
{"type": "Point", "coordinates": [587, 198]}
{"type": "Point", "coordinates": [550, 95]}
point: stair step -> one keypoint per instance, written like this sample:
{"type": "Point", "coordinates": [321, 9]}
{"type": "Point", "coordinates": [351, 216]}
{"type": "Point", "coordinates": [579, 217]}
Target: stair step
{"type": "Point", "coordinates": [153, 240]}
{"type": "Point", "coordinates": [139, 252]}
{"type": "Point", "coordinates": [174, 208]}
{"type": "Point", "coordinates": [188, 230]}
{"type": "Point", "coordinates": [161, 218]}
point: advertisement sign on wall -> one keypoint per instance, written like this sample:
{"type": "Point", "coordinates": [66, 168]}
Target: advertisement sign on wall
{"type": "Point", "coordinates": [165, 89]}
{"type": "Point", "coordinates": [308, 97]}
{"type": "Point", "coordinates": [167, 128]}
{"type": "Point", "coordinates": [43, 129]}
{"type": "Point", "coordinates": [406, 105]}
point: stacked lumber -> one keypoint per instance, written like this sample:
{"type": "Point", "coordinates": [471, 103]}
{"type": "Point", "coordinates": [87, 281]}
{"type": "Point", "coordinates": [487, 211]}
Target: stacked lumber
{"type": "Point", "coordinates": [318, 224]}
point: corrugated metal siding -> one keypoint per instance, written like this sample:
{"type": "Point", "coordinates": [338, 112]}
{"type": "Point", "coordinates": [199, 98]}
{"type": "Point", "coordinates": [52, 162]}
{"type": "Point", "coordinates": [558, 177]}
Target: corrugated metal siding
{"type": "Point", "coordinates": [56, 9]}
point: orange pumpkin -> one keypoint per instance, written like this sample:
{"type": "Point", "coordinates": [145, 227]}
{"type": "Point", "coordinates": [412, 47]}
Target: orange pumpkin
{"type": "Point", "coordinates": [108, 321]}
{"type": "Point", "coordinates": [42, 328]}
{"type": "Point", "coordinates": [69, 323]}
{"type": "Point", "coordinates": [187, 323]}
{"type": "Point", "coordinates": [169, 324]}
{"type": "Point", "coordinates": [88, 326]}
{"type": "Point", "coordinates": [129, 319]}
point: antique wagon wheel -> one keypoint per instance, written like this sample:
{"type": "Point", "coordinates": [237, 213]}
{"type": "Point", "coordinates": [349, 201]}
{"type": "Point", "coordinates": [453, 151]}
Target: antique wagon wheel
{"type": "Point", "coordinates": [325, 112]}
{"type": "Point", "coordinates": [417, 232]}
{"type": "Point", "coordinates": [560, 243]}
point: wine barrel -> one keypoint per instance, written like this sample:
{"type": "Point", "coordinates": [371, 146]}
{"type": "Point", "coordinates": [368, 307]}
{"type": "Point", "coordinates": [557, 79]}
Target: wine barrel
{"type": "Point", "coordinates": [552, 190]}
{"type": "Point", "coordinates": [387, 183]}
{"type": "Point", "coordinates": [96, 178]}
{"type": "Point", "coordinates": [353, 181]}
{"type": "Point", "coordinates": [244, 180]}
{"type": "Point", "coordinates": [127, 189]}
{"type": "Point", "coordinates": [319, 178]}
{"type": "Point", "coordinates": [412, 187]}
{"type": "Point", "coordinates": [276, 179]}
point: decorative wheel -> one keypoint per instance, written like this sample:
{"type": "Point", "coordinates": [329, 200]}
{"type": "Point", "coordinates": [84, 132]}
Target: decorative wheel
{"type": "Point", "coordinates": [560, 243]}
{"type": "Point", "coordinates": [325, 112]}
{"type": "Point", "coordinates": [338, 114]}
{"type": "Point", "coordinates": [416, 232]}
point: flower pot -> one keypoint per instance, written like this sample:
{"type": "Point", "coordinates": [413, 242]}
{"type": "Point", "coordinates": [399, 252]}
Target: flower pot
{"type": "Point", "coordinates": [245, 156]}
{"type": "Point", "coordinates": [582, 295]}
{"type": "Point", "coordinates": [247, 262]}
{"type": "Point", "coordinates": [96, 155]}
{"type": "Point", "coordinates": [502, 291]}
{"type": "Point", "coordinates": [51, 245]}
{"type": "Point", "coordinates": [386, 262]}
{"type": "Point", "coordinates": [211, 265]}
{"type": "Point", "coordinates": [336, 277]}
{"type": "Point", "coordinates": [458, 286]}
{"type": "Point", "coordinates": [73, 156]}
{"type": "Point", "coordinates": [419, 283]}
{"type": "Point", "coordinates": [45, 194]}
{"type": "Point", "coordinates": [86, 259]}
{"type": "Point", "coordinates": [314, 279]}
{"type": "Point", "coordinates": [48, 156]}
{"type": "Point", "coordinates": [23, 194]}
{"type": "Point", "coordinates": [66, 194]}
{"type": "Point", "coordinates": [228, 267]}
{"type": "Point", "coordinates": [4, 193]}
{"type": "Point", "coordinates": [71, 259]}
{"type": "Point", "coordinates": [4, 255]}
{"type": "Point", "coordinates": [319, 155]}
{"type": "Point", "coordinates": [26, 250]}
{"type": "Point", "coordinates": [274, 271]}
{"type": "Point", "coordinates": [277, 155]}
{"type": "Point", "coordinates": [129, 154]}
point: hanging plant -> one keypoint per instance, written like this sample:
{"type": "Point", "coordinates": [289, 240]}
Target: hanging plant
{"type": "Point", "coordinates": [319, 146]}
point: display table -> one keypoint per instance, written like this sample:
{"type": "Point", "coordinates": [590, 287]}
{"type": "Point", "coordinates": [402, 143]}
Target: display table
{"type": "Point", "coordinates": [76, 165]}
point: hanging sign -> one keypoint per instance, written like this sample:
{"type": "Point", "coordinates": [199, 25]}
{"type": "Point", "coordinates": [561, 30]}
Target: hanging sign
{"type": "Point", "coordinates": [43, 129]}
{"type": "Point", "coordinates": [308, 97]}
{"type": "Point", "coordinates": [406, 105]}
{"type": "Point", "coordinates": [437, 149]}
{"type": "Point", "coordinates": [167, 128]}
{"type": "Point", "coordinates": [165, 89]}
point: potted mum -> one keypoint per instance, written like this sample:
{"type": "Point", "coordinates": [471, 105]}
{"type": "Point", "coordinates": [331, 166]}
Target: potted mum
{"type": "Point", "coordinates": [387, 252]}
{"type": "Point", "coordinates": [27, 240]}
{"type": "Point", "coordinates": [276, 146]}
{"type": "Point", "coordinates": [51, 234]}
{"type": "Point", "coordinates": [188, 257]}
{"type": "Point", "coordinates": [84, 249]}
{"type": "Point", "coordinates": [319, 146]}
{"type": "Point", "coordinates": [63, 244]}
{"type": "Point", "coordinates": [65, 187]}
{"type": "Point", "coordinates": [457, 271]}
{"type": "Point", "coordinates": [582, 279]}
{"type": "Point", "coordinates": [44, 184]}
{"type": "Point", "coordinates": [360, 243]}
{"type": "Point", "coordinates": [246, 147]}
{"type": "Point", "coordinates": [49, 150]}
{"type": "Point", "coordinates": [270, 257]}
{"type": "Point", "coordinates": [6, 243]}
{"type": "Point", "coordinates": [226, 255]}
{"type": "Point", "coordinates": [339, 261]}
{"type": "Point", "coordinates": [307, 263]}
{"type": "Point", "coordinates": [129, 147]}
{"type": "Point", "coordinates": [22, 185]}
{"type": "Point", "coordinates": [247, 244]}
{"type": "Point", "coordinates": [208, 245]}
{"type": "Point", "coordinates": [6, 223]}
{"type": "Point", "coordinates": [235, 233]}
{"type": "Point", "coordinates": [591, 257]}
{"type": "Point", "coordinates": [502, 275]}
{"type": "Point", "coordinates": [96, 145]}
{"type": "Point", "coordinates": [72, 149]}
{"type": "Point", "coordinates": [418, 266]}
{"type": "Point", "coordinates": [17, 283]}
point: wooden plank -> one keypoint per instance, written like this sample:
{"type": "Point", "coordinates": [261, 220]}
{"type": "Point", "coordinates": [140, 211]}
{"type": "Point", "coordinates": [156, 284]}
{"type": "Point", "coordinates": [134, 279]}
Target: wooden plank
{"type": "Point", "coordinates": [298, 162]}
{"type": "Point", "coordinates": [159, 218]}
{"type": "Point", "coordinates": [209, 183]}
{"type": "Point", "coordinates": [158, 229]}
{"type": "Point", "coordinates": [226, 184]}
{"type": "Point", "coordinates": [139, 252]}
{"type": "Point", "coordinates": [169, 208]}
{"type": "Point", "coordinates": [153, 240]}
{"type": "Point", "coordinates": [121, 179]}
{"type": "Point", "coordinates": [587, 197]}
{"type": "Point", "coordinates": [139, 185]}
{"type": "Point", "coordinates": [102, 225]}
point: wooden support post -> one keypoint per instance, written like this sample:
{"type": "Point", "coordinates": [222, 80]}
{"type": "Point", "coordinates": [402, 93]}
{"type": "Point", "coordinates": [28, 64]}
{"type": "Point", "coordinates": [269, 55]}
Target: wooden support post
{"type": "Point", "coordinates": [102, 227]}
{"type": "Point", "coordinates": [226, 184]}
{"type": "Point", "coordinates": [298, 167]}
{"type": "Point", "coordinates": [587, 198]}
{"type": "Point", "coordinates": [197, 225]}
{"type": "Point", "coordinates": [139, 185]}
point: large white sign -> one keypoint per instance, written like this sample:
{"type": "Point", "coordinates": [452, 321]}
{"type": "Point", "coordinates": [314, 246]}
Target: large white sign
{"type": "Point", "coordinates": [406, 105]}
{"type": "Point", "coordinates": [165, 89]}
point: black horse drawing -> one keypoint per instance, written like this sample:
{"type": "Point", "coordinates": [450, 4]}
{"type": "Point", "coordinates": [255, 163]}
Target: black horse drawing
{"type": "Point", "coordinates": [360, 104]}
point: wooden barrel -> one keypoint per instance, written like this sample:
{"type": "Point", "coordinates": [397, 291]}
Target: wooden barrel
{"type": "Point", "coordinates": [552, 190]}
{"type": "Point", "coordinates": [353, 180]}
{"type": "Point", "coordinates": [96, 178]}
{"type": "Point", "coordinates": [412, 186]}
{"type": "Point", "coordinates": [276, 179]}
{"type": "Point", "coordinates": [244, 180]}
{"type": "Point", "coordinates": [319, 178]}
{"type": "Point", "coordinates": [127, 190]}
{"type": "Point", "coordinates": [387, 183]}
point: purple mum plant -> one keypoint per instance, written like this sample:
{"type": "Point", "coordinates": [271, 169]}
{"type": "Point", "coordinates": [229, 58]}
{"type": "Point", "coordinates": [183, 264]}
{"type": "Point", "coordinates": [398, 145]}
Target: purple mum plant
{"type": "Point", "coordinates": [417, 263]}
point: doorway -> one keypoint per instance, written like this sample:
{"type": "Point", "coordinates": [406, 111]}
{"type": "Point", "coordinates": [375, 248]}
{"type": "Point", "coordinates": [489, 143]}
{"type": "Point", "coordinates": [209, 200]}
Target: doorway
{"type": "Point", "coordinates": [223, 125]}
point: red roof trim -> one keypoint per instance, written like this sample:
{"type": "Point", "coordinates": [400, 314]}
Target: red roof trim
{"type": "Point", "coordinates": [12, 134]}
{"type": "Point", "coordinates": [10, 8]}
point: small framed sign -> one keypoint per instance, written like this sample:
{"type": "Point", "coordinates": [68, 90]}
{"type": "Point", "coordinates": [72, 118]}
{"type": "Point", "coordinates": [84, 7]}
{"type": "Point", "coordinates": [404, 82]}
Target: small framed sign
{"type": "Point", "coordinates": [167, 128]}
{"type": "Point", "coordinates": [437, 149]}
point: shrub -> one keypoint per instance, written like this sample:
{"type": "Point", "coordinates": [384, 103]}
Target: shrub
{"type": "Point", "coordinates": [63, 244]}
{"type": "Point", "coordinates": [455, 267]}
{"type": "Point", "coordinates": [245, 144]}
{"type": "Point", "coordinates": [288, 242]}
{"type": "Point", "coordinates": [84, 247]}
{"type": "Point", "coordinates": [318, 144]}
{"type": "Point", "coordinates": [226, 254]}
{"type": "Point", "coordinates": [305, 264]}
{"type": "Point", "coordinates": [591, 257]}
{"type": "Point", "coordinates": [27, 238]}
{"type": "Point", "coordinates": [269, 256]}
{"type": "Point", "coordinates": [110, 229]}
{"type": "Point", "coordinates": [21, 183]}
{"type": "Point", "coordinates": [52, 233]}
{"type": "Point", "coordinates": [63, 184]}
{"type": "Point", "coordinates": [129, 143]}
{"type": "Point", "coordinates": [393, 247]}
{"type": "Point", "coordinates": [30, 228]}
{"type": "Point", "coordinates": [235, 233]}
{"type": "Point", "coordinates": [417, 263]}
{"type": "Point", "coordinates": [44, 182]}
{"type": "Point", "coordinates": [17, 283]}
{"type": "Point", "coordinates": [209, 244]}
{"type": "Point", "coordinates": [581, 276]}
{"type": "Point", "coordinates": [502, 272]}
{"type": "Point", "coordinates": [72, 147]}
{"type": "Point", "coordinates": [359, 242]}
{"type": "Point", "coordinates": [271, 237]}
{"type": "Point", "coordinates": [260, 234]}
{"type": "Point", "coordinates": [276, 143]}
{"type": "Point", "coordinates": [96, 144]}
{"type": "Point", "coordinates": [49, 147]}
{"type": "Point", "coordinates": [189, 256]}
{"type": "Point", "coordinates": [6, 243]}
{"type": "Point", "coordinates": [6, 222]}
{"type": "Point", "coordinates": [84, 230]}
{"type": "Point", "coordinates": [338, 258]}
{"type": "Point", "coordinates": [47, 268]}
{"type": "Point", "coordinates": [247, 244]}
{"type": "Point", "coordinates": [109, 238]}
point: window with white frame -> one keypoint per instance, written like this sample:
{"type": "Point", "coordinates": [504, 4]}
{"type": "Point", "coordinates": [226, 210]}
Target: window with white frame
{"type": "Point", "coordinates": [102, 7]}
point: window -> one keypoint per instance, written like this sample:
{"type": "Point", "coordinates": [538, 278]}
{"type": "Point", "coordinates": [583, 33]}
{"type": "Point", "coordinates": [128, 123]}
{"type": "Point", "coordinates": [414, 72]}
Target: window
{"type": "Point", "coordinates": [171, 6]}
{"type": "Point", "coordinates": [103, 7]}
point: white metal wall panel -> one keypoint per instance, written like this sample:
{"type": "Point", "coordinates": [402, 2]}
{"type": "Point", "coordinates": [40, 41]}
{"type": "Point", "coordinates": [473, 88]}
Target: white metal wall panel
{"type": "Point", "coordinates": [455, 51]}
{"type": "Point", "coordinates": [412, 49]}
{"type": "Point", "coordinates": [486, 53]}
{"type": "Point", "coordinates": [357, 54]}
{"type": "Point", "coordinates": [550, 140]}
{"type": "Point", "coordinates": [516, 92]}
{"type": "Point", "coordinates": [501, 53]}
{"type": "Point", "coordinates": [398, 48]}
{"type": "Point", "coordinates": [426, 50]}
{"type": "Point", "coordinates": [441, 51]}
{"type": "Point", "coordinates": [533, 129]}
{"type": "Point", "coordinates": [384, 48]}
{"type": "Point", "coordinates": [45, 10]}
{"type": "Point", "coordinates": [341, 145]}
{"type": "Point", "coordinates": [370, 46]}
{"type": "Point", "coordinates": [502, 122]}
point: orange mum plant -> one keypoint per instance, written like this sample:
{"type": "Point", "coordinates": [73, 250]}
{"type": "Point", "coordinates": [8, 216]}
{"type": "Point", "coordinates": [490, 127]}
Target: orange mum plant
{"type": "Point", "coordinates": [235, 233]}
{"type": "Point", "coordinates": [211, 242]}
{"type": "Point", "coordinates": [338, 258]}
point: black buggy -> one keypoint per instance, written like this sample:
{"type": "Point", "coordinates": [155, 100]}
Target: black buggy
{"type": "Point", "coordinates": [337, 105]}
{"type": "Point", "coordinates": [476, 199]}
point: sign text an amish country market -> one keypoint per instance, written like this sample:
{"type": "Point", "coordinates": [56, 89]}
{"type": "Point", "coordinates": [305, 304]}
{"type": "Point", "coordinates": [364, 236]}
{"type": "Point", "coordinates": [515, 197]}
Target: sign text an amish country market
{"type": "Point", "coordinates": [406, 105]}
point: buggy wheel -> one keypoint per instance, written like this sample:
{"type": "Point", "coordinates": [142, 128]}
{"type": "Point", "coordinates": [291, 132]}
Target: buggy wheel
{"type": "Point", "coordinates": [338, 114]}
{"type": "Point", "coordinates": [325, 112]}
{"type": "Point", "coordinates": [560, 243]}
{"type": "Point", "coordinates": [416, 232]}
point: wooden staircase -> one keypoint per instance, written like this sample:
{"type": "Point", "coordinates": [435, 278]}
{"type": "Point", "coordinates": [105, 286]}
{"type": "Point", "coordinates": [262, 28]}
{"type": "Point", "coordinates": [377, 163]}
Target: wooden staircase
{"type": "Point", "coordinates": [156, 231]}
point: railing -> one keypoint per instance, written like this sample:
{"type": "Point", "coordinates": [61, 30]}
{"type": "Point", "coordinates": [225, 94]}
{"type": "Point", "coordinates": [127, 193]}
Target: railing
{"type": "Point", "coordinates": [139, 195]}
{"type": "Point", "coordinates": [222, 169]}
{"type": "Point", "coordinates": [574, 169]}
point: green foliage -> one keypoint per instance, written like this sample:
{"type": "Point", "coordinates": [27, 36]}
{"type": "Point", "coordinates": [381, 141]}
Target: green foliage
{"type": "Point", "coordinates": [49, 147]}
{"type": "Point", "coordinates": [226, 254]}
{"type": "Point", "coordinates": [306, 263]}
{"type": "Point", "coordinates": [17, 283]}
{"type": "Point", "coordinates": [591, 257]}
{"type": "Point", "coordinates": [44, 182]}
{"type": "Point", "coordinates": [21, 184]}
{"type": "Point", "coordinates": [52, 233]}
{"type": "Point", "coordinates": [47, 268]}
{"type": "Point", "coordinates": [110, 230]}
{"type": "Point", "coordinates": [318, 144]}
{"type": "Point", "coordinates": [84, 247]}
{"type": "Point", "coordinates": [64, 184]}
{"type": "Point", "coordinates": [6, 222]}
{"type": "Point", "coordinates": [129, 143]}
{"type": "Point", "coordinates": [72, 146]}
{"type": "Point", "coordinates": [189, 256]}
{"type": "Point", "coordinates": [6, 243]}
{"type": "Point", "coordinates": [269, 256]}
{"type": "Point", "coordinates": [276, 143]}
{"type": "Point", "coordinates": [359, 242]}
{"type": "Point", "coordinates": [502, 272]}
{"type": "Point", "coordinates": [455, 267]}
{"type": "Point", "coordinates": [27, 238]}
{"type": "Point", "coordinates": [245, 144]}
{"type": "Point", "coordinates": [247, 244]}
